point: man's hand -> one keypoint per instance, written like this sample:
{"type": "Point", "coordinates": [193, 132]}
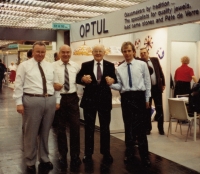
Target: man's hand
{"type": "Point", "coordinates": [57, 86]}
{"type": "Point", "coordinates": [109, 80]}
{"type": "Point", "coordinates": [20, 109]}
{"type": "Point", "coordinates": [163, 88]}
{"type": "Point", "coordinates": [147, 105]}
{"type": "Point", "coordinates": [57, 106]}
{"type": "Point", "coordinates": [86, 79]}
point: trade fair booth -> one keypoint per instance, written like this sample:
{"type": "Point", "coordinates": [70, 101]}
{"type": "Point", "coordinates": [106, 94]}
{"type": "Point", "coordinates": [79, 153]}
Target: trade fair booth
{"type": "Point", "coordinates": [165, 28]}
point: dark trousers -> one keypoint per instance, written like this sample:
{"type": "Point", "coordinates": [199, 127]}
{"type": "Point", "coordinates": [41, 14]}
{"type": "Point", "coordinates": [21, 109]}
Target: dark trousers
{"type": "Point", "coordinates": [156, 96]}
{"type": "Point", "coordinates": [1, 78]}
{"type": "Point", "coordinates": [134, 114]}
{"type": "Point", "coordinates": [104, 120]}
{"type": "Point", "coordinates": [182, 88]}
{"type": "Point", "coordinates": [69, 113]}
{"type": "Point", "coordinates": [55, 123]}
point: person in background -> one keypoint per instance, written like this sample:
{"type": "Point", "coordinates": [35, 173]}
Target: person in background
{"type": "Point", "coordinates": [183, 76]}
{"type": "Point", "coordinates": [56, 56]}
{"type": "Point", "coordinates": [157, 88]}
{"type": "Point", "coordinates": [29, 54]}
{"type": "Point", "coordinates": [66, 71]}
{"type": "Point", "coordinates": [97, 98]}
{"type": "Point", "coordinates": [2, 72]}
{"type": "Point", "coordinates": [12, 68]}
{"type": "Point", "coordinates": [36, 102]}
{"type": "Point", "coordinates": [134, 85]}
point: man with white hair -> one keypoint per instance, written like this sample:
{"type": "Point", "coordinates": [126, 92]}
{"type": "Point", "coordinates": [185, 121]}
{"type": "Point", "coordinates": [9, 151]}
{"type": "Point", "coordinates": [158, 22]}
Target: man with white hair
{"type": "Point", "coordinates": [97, 98]}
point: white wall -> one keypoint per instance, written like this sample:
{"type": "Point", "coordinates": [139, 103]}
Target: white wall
{"type": "Point", "coordinates": [11, 58]}
{"type": "Point", "coordinates": [180, 49]}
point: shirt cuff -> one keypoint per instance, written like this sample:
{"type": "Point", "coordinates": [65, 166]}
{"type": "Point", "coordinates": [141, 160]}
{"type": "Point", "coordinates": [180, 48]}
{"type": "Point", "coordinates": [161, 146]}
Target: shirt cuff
{"type": "Point", "coordinates": [19, 101]}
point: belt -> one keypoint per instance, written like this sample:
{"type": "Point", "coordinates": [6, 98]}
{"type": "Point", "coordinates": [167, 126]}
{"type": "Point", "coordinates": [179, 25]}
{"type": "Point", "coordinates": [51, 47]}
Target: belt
{"type": "Point", "coordinates": [38, 95]}
{"type": "Point", "coordinates": [68, 93]}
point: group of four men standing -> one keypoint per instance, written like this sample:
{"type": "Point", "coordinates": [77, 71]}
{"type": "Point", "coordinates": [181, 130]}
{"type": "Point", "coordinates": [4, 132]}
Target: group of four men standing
{"type": "Point", "coordinates": [35, 99]}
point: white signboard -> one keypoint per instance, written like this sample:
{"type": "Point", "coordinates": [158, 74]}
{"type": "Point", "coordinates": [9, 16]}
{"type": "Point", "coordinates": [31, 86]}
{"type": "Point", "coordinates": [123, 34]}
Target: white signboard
{"type": "Point", "coordinates": [144, 16]}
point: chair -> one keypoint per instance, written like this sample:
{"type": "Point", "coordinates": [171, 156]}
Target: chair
{"type": "Point", "coordinates": [178, 110]}
{"type": "Point", "coordinates": [185, 97]}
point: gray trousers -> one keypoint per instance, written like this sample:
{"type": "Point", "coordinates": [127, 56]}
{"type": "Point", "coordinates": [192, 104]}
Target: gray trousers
{"type": "Point", "coordinates": [38, 118]}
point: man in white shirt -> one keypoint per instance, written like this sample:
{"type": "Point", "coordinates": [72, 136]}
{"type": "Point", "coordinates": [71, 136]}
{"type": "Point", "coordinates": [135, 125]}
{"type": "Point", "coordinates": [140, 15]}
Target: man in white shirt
{"type": "Point", "coordinates": [134, 85]}
{"type": "Point", "coordinates": [66, 71]}
{"type": "Point", "coordinates": [35, 100]}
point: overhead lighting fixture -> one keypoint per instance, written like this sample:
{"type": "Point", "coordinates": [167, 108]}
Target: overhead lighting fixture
{"type": "Point", "coordinates": [83, 50]}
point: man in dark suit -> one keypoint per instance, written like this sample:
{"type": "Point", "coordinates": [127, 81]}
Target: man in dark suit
{"type": "Point", "coordinates": [158, 86]}
{"type": "Point", "coordinates": [97, 97]}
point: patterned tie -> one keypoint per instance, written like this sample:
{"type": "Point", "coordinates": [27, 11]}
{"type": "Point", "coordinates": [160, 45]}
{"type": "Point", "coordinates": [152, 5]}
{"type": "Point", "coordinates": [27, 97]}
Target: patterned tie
{"type": "Point", "coordinates": [43, 79]}
{"type": "Point", "coordinates": [99, 74]}
{"type": "Point", "coordinates": [129, 75]}
{"type": "Point", "coordinates": [66, 85]}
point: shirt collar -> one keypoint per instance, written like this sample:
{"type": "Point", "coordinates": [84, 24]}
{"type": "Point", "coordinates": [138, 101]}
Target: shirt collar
{"type": "Point", "coordinates": [36, 62]}
{"type": "Point", "coordinates": [101, 62]}
{"type": "Point", "coordinates": [62, 63]}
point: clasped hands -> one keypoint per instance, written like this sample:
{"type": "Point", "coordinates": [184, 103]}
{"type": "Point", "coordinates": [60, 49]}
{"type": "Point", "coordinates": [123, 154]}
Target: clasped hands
{"type": "Point", "coordinates": [87, 79]}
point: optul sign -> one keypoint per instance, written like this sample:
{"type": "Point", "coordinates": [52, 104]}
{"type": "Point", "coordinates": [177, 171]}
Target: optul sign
{"type": "Point", "coordinates": [97, 27]}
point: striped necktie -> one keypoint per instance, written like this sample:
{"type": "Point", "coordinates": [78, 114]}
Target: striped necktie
{"type": "Point", "coordinates": [43, 79]}
{"type": "Point", "coordinates": [66, 85]}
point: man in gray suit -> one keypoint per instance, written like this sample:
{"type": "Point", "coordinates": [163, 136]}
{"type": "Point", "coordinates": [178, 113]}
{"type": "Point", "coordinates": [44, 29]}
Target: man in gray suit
{"type": "Point", "coordinates": [35, 100]}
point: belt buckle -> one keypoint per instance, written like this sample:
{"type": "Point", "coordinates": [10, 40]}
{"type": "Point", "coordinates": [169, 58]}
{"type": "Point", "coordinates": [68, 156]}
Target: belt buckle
{"type": "Point", "coordinates": [46, 95]}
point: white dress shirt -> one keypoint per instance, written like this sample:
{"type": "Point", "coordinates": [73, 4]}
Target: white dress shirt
{"type": "Point", "coordinates": [140, 78]}
{"type": "Point", "coordinates": [28, 79]}
{"type": "Point", "coordinates": [73, 69]}
{"type": "Point", "coordinates": [153, 75]}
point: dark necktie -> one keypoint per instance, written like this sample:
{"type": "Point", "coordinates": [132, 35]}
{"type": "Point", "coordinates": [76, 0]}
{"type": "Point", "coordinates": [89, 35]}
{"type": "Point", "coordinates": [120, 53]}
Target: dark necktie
{"type": "Point", "coordinates": [43, 79]}
{"type": "Point", "coordinates": [129, 76]}
{"type": "Point", "coordinates": [99, 74]}
{"type": "Point", "coordinates": [66, 85]}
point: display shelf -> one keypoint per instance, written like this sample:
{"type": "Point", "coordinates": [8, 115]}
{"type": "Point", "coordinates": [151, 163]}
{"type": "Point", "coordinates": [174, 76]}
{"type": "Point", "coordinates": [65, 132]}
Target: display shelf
{"type": "Point", "coordinates": [114, 54]}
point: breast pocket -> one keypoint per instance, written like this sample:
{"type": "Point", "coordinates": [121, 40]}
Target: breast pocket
{"type": "Point", "coordinates": [49, 75]}
{"type": "Point", "coordinates": [72, 75]}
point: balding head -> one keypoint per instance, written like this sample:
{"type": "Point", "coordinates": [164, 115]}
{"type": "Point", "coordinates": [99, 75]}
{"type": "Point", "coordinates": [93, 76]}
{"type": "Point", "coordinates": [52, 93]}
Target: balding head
{"type": "Point", "coordinates": [65, 53]}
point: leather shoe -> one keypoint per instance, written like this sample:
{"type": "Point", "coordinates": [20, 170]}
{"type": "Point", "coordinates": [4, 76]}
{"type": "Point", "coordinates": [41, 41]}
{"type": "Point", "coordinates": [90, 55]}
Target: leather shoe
{"type": "Point", "coordinates": [31, 169]}
{"type": "Point", "coordinates": [46, 165]}
{"type": "Point", "coordinates": [87, 159]}
{"type": "Point", "coordinates": [161, 132]}
{"type": "Point", "coordinates": [63, 162]}
{"type": "Point", "coordinates": [107, 159]}
{"type": "Point", "coordinates": [75, 161]}
{"type": "Point", "coordinates": [128, 160]}
{"type": "Point", "coordinates": [148, 132]}
{"type": "Point", "coordinates": [146, 162]}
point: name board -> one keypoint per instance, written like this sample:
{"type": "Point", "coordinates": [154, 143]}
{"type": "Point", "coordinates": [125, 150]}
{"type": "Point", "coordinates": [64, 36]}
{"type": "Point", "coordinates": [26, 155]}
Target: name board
{"type": "Point", "coordinates": [144, 16]}
{"type": "Point", "coordinates": [59, 26]}
{"type": "Point", "coordinates": [13, 46]}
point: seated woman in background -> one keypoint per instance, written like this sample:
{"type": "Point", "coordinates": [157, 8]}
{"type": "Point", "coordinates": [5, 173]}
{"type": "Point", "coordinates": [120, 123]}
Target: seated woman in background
{"type": "Point", "coordinates": [183, 76]}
